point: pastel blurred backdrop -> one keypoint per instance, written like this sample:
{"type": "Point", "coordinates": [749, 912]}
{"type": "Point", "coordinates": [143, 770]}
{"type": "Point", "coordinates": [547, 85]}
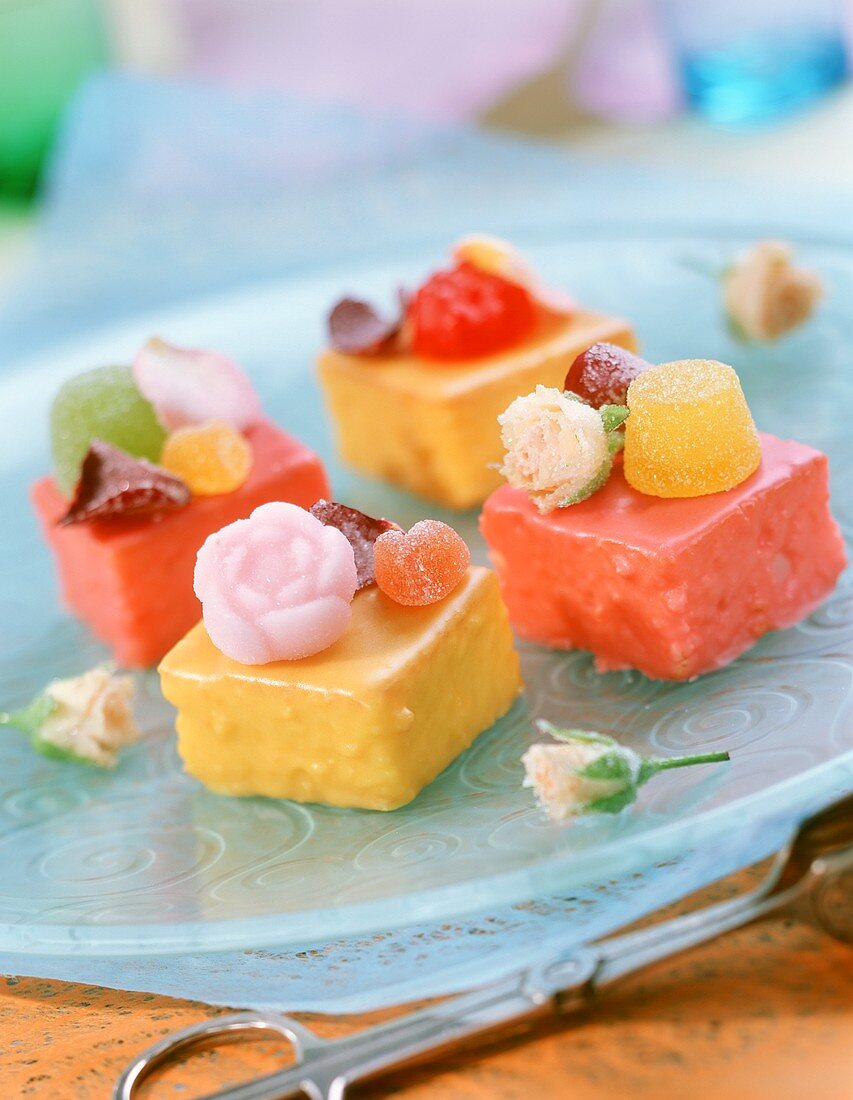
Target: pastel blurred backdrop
{"type": "Point", "coordinates": [536, 66]}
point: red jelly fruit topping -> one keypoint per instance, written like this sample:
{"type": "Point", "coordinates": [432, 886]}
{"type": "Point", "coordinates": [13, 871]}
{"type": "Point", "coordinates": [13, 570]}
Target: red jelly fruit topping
{"type": "Point", "coordinates": [465, 312]}
{"type": "Point", "coordinates": [421, 566]}
{"type": "Point", "coordinates": [602, 374]}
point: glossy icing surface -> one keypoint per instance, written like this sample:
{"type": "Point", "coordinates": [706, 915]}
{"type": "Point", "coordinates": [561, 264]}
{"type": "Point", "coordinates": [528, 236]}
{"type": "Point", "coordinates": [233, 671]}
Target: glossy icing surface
{"type": "Point", "coordinates": [131, 580]}
{"type": "Point", "coordinates": [367, 722]}
{"type": "Point", "coordinates": [439, 434]}
{"type": "Point", "coordinates": [671, 587]}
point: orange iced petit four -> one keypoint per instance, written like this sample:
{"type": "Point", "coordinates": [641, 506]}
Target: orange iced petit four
{"type": "Point", "coordinates": [148, 462]}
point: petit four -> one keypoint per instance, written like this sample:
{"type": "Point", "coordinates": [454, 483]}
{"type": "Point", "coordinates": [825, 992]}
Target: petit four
{"type": "Point", "coordinates": [708, 535]}
{"type": "Point", "coordinates": [149, 461]}
{"type": "Point", "coordinates": [414, 399]}
{"type": "Point", "coordinates": [314, 678]}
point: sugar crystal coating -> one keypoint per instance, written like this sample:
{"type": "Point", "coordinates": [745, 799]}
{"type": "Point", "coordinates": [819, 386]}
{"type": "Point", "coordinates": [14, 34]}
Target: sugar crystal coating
{"type": "Point", "coordinates": [361, 530]}
{"type": "Point", "coordinates": [105, 404]}
{"type": "Point", "coordinates": [113, 483]}
{"type": "Point", "coordinates": [211, 458]}
{"type": "Point", "coordinates": [689, 431]}
{"type": "Point", "coordinates": [421, 566]}
{"type": "Point", "coordinates": [276, 586]}
{"type": "Point", "coordinates": [602, 374]}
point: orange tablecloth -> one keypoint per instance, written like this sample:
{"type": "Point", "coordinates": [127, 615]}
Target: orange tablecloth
{"type": "Point", "coordinates": [765, 1012]}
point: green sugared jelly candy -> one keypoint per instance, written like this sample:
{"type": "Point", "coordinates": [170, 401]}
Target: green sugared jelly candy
{"type": "Point", "coordinates": [100, 404]}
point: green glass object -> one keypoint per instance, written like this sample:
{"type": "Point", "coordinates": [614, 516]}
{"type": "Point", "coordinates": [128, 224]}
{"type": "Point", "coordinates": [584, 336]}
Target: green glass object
{"type": "Point", "coordinates": [46, 48]}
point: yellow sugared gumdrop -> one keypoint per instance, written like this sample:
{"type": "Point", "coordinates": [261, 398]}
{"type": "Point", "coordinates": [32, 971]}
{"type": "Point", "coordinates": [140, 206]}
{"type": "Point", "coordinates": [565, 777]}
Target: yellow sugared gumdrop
{"type": "Point", "coordinates": [212, 458]}
{"type": "Point", "coordinates": [689, 430]}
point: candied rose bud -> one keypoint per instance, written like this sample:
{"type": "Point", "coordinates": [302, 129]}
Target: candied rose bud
{"type": "Point", "coordinates": [766, 295]}
{"type": "Point", "coordinates": [584, 772]}
{"type": "Point", "coordinates": [557, 449]}
{"type": "Point", "coordinates": [276, 586]}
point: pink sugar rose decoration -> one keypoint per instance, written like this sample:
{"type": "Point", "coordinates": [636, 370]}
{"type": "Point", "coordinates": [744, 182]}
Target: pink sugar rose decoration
{"type": "Point", "coordinates": [191, 386]}
{"type": "Point", "coordinates": [276, 586]}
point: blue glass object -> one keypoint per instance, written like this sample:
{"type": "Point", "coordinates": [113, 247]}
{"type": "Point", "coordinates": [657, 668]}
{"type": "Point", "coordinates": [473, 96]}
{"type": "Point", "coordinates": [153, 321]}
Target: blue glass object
{"type": "Point", "coordinates": [758, 78]}
{"type": "Point", "coordinates": [744, 63]}
{"type": "Point", "coordinates": [144, 861]}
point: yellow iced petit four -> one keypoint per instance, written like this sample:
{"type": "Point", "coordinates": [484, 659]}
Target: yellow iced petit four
{"type": "Point", "coordinates": [366, 722]}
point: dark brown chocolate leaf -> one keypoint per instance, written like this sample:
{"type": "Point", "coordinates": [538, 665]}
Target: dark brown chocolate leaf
{"type": "Point", "coordinates": [113, 483]}
{"type": "Point", "coordinates": [361, 530]}
{"type": "Point", "coordinates": [358, 328]}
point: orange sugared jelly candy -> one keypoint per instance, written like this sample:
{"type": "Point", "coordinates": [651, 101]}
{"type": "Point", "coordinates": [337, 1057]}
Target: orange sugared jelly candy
{"type": "Point", "coordinates": [212, 458]}
{"type": "Point", "coordinates": [689, 431]}
{"type": "Point", "coordinates": [421, 566]}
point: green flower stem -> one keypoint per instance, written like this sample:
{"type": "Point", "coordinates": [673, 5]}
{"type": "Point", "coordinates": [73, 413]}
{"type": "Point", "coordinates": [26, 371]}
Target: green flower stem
{"type": "Point", "coordinates": [701, 266]}
{"type": "Point", "coordinates": [31, 718]}
{"type": "Point", "coordinates": [685, 761]}
{"type": "Point", "coordinates": [17, 719]}
{"type": "Point", "coordinates": [648, 768]}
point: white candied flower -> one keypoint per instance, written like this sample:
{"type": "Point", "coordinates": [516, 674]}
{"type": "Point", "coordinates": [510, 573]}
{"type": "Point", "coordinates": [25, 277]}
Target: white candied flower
{"type": "Point", "coordinates": [87, 717]}
{"type": "Point", "coordinates": [555, 772]}
{"type": "Point", "coordinates": [765, 294]}
{"type": "Point", "coordinates": [558, 449]}
{"type": "Point", "coordinates": [585, 772]}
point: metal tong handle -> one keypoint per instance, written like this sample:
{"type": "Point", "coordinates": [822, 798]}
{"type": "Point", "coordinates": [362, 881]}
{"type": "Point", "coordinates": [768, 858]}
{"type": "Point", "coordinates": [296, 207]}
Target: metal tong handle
{"type": "Point", "coordinates": [324, 1068]}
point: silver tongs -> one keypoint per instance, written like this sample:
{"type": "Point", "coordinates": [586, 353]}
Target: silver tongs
{"type": "Point", "coordinates": [816, 867]}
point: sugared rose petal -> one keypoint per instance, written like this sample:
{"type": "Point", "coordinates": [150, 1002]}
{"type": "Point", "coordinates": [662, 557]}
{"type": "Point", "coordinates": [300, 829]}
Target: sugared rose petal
{"type": "Point", "coordinates": [357, 328]}
{"type": "Point", "coordinates": [361, 530]}
{"type": "Point", "coordinates": [191, 386]}
{"type": "Point", "coordinates": [498, 257]}
{"type": "Point", "coordinates": [276, 586]}
{"type": "Point", "coordinates": [113, 483]}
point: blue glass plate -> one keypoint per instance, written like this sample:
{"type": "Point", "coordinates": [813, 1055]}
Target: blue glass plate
{"type": "Point", "coordinates": [144, 860]}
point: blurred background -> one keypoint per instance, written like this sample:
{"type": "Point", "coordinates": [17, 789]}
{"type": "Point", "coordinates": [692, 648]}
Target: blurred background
{"type": "Point", "coordinates": [94, 92]}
